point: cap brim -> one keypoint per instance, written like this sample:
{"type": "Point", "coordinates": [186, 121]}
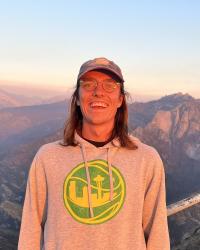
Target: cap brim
{"type": "Point", "coordinates": [100, 67]}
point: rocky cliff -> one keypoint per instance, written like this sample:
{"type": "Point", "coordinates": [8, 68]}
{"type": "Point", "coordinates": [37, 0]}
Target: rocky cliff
{"type": "Point", "coordinates": [172, 126]}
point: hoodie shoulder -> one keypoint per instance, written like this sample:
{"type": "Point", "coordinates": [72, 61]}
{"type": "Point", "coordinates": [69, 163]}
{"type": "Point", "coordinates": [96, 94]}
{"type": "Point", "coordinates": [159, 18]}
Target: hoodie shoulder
{"type": "Point", "coordinates": [144, 148]}
{"type": "Point", "coordinates": [49, 148]}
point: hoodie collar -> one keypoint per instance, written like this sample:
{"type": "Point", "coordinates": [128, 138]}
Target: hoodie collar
{"type": "Point", "coordinates": [81, 141]}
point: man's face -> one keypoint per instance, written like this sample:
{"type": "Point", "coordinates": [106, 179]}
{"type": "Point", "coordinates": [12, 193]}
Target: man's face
{"type": "Point", "coordinates": [98, 106]}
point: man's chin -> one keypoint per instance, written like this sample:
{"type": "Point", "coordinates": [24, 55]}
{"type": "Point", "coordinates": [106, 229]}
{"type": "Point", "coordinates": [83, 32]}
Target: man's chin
{"type": "Point", "coordinates": [97, 121]}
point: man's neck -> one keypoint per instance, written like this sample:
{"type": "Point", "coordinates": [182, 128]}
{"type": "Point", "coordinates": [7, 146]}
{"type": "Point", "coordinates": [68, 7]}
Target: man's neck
{"type": "Point", "coordinates": [96, 133]}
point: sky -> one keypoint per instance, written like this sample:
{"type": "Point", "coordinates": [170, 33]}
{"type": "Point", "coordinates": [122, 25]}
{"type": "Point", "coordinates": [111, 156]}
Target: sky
{"type": "Point", "coordinates": [155, 43]}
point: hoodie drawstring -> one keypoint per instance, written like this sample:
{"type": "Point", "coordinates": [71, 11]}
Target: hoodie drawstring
{"type": "Point", "coordinates": [110, 175]}
{"type": "Point", "coordinates": [89, 180]}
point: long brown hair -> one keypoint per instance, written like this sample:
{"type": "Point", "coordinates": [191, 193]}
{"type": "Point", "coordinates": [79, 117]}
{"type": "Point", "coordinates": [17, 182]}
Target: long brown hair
{"type": "Point", "coordinates": [74, 122]}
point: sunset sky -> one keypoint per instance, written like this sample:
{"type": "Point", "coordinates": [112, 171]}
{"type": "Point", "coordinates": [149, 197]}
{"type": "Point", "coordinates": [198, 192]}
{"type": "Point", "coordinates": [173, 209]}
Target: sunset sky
{"type": "Point", "coordinates": [156, 43]}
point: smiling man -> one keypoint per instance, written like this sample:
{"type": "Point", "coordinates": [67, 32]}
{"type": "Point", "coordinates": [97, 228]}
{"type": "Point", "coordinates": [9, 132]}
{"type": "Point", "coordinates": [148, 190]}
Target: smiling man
{"type": "Point", "coordinates": [97, 188]}
{"type": "Point", "coordinates": [99, 98]}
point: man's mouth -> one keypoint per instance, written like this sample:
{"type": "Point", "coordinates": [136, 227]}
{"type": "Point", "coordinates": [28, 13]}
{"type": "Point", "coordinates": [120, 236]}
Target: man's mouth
{"type": "Point", "coordinates": [98, 105]}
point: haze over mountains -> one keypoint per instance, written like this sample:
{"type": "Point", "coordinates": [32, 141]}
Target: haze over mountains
{"type": "Point", "coordinates": [10, 99]}
{"type": "Point", "coordinates": [170, 124]}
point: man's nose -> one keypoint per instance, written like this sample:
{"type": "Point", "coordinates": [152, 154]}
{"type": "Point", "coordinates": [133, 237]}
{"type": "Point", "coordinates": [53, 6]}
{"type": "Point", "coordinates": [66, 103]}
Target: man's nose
{"type": "Point", "coordinates": [99, 91]}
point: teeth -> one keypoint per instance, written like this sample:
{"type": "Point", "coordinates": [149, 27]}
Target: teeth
{"type": "Point", "coordinates": [99, 104]}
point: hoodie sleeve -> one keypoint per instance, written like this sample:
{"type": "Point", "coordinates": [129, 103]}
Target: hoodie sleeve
{"type": "Point", "coordinates": [155, 224]}
{"type": "Point", "coordinates": [33, 216]}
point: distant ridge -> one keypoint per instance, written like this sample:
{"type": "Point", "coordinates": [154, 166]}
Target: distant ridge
{"type": "Point", "coordinates": [8, 99]}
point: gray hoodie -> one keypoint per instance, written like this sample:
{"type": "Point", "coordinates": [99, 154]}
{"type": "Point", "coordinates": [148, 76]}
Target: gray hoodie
{"type": "Point", "coordinates": [103, 198]}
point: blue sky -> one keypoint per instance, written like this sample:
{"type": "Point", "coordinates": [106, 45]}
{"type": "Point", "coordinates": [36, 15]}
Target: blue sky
{"type": "Point", "coordinates": [156, 43]}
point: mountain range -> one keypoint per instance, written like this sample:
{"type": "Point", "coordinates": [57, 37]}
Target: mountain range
{"type": "Point", "coordinates": [171, 124]}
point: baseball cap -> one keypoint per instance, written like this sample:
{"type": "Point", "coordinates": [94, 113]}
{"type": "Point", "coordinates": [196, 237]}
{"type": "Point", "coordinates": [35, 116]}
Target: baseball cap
{"type": "Point", "coordinates": [100, 63]}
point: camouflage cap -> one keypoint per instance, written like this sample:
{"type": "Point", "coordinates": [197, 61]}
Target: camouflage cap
{"type": "Point", "coordinates": [100, 63]}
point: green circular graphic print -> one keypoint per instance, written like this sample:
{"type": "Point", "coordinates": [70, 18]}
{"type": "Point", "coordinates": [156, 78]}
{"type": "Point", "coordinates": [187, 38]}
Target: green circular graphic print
{"type": "Point", "coordinates": [75, 192]}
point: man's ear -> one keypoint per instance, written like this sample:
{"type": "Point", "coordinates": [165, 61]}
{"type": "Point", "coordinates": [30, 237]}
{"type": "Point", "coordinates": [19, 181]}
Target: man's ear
{"type": "Point", "coordinates": [121, 98]}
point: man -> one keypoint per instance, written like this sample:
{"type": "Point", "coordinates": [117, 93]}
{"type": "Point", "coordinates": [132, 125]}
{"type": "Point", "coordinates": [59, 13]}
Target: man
{"type": "Point", "coordinates": [98, 188]}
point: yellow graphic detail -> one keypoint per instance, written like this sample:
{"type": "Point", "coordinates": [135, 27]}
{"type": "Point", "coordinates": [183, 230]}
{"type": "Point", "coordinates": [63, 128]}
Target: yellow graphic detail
{"type": "Point", "coordinates": [76, 192]}
{"type": "Point", "coordinates": [98, 198]}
